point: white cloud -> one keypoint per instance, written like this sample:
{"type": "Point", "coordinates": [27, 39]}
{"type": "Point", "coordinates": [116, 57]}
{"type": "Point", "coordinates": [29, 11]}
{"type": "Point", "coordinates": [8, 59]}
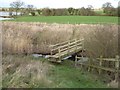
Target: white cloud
{"type": "Point", "coordinates": [62, 3]}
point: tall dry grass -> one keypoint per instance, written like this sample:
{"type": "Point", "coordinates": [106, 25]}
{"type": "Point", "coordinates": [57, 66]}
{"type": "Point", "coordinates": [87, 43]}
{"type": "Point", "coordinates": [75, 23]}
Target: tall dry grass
{"type": "Point", "coordinates": [24, 72]}
{"type": "Point", "coordinates": [103, 40]}
{"type": "Point", "coordinates": [22, 37]}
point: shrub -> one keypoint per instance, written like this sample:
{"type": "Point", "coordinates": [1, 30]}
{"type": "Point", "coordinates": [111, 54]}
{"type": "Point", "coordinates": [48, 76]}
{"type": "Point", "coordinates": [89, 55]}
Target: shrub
{"type": "Point", "coordinates": [46, 12]}
{"type": "Point", "coordinates": [33, 13]}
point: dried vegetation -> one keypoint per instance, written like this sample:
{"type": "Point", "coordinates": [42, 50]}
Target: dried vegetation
{"type": "Point", "coordinates": [22, 37]}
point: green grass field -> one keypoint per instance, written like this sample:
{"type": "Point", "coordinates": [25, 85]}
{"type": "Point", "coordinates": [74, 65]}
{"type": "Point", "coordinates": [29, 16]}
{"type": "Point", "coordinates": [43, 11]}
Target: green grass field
{"type": "Point", "coordinates": [69, 19]}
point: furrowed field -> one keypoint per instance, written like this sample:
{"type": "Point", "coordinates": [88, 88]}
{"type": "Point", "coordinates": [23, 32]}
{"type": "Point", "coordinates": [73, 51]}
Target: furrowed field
{"type": "Point", "coordinates": [70, 19]}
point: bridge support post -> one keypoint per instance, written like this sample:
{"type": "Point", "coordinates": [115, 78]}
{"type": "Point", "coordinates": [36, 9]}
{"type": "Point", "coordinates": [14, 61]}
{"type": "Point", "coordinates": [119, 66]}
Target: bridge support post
{"type": "Point", "coordinates": [89, 68]}
{"type": "Point", "coordinates": [76, 61]}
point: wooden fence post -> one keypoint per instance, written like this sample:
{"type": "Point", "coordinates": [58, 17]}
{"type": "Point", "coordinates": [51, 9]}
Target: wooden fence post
{"type": "Point", "coordinates": [76, 61]}
{"type": "Point", "coordinates": [92, 68]}
{"type": "Point", "coordinates": [100, 64]}
{"type": "Point", "coordinates": [89, 64]}
{"type": "Point", "coordinates": [117, 68]}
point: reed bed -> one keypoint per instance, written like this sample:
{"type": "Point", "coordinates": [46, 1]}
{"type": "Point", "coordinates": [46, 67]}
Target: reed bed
{"type": "Point", "coordinates": [35, 37]}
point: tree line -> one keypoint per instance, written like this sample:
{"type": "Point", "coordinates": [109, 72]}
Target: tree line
{"type": "Point", "coordinates": [18, 6]}
{"type": "Point", "coordinates": [68, 12]}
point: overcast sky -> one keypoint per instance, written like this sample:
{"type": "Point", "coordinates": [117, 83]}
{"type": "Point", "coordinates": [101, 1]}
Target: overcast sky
{"type": "Point", "coordinates": [62, 3]}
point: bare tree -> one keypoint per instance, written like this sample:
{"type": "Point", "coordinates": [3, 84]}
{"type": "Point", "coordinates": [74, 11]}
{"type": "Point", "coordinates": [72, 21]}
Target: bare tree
{"type": "Point", "coordinates": [90, 7]}
{"type": "Point", "coordinates": [30, 8]}
{"type": "Point", "coordinates": [17, 5]}
{"type": "Point", "coordinates": [107, 7]}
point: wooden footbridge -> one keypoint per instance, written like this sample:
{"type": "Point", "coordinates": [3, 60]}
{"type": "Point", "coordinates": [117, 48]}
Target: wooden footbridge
{"type": "Point", "coordinates": [64, 49]}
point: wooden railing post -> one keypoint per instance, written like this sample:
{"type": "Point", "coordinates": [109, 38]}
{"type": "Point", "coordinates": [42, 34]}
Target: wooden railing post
{"type": "Point", "coordinates": [83, 44]}
{"type": "Point", "coordinates": [59, 53]}
{"type": "Point", "coordinates": [82, 47]}
{"type": "Point", "coordinates": [117, 68]}
{"type": "Point", "coordinates": [51, 48]}
{"type": "Point", "coordinates": [75, 45]}
{"type": "Point", "coordinates": [100, 63]}
{"type": "Point", "coordinates": [68, 47]}
{"type": "Point", "coordinates": [76, 61]}
{"type": "Point", "coordinates": [31, 47]}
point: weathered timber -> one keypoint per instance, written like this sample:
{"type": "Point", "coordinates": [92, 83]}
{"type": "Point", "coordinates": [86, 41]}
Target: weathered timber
{"type": "Point", "coordinates": [61, 50]}
{"type": "Point", "coordinates": [99, 65]}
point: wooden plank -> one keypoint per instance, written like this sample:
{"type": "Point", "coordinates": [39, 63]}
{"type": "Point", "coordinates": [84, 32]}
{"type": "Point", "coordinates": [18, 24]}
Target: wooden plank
{"type": "Point", "coordinates": [79, 40]}
{"type": "Point", "coordinates": [64, 49]}
{"type": "Point", "coordinates": [78, 57]}
{"type": "Point", "coordinates": [106, 59]}
{"type": "Point", "coordinates": [66, 46]}
{"type": "Point", "coordinates": [52, 60]}
{"type": "Point", "coordinates": [98, 67]}
{"type": "Point", "coordinates": [53, 56]}
{"type": "Point", "coordinates": [58, 44]}
{"type": "Point", "coordinates": [66, 52]}
{"type": "Point", "coordinates": [71, 48]}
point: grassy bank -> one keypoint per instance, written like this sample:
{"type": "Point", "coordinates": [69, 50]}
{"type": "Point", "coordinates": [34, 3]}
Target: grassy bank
{"type": "Point", "coordinates": [27, 71]}
{"type": "Point", "coordinates": [67, 76]}
{"type": "Point", "coordinates": [69, 19]}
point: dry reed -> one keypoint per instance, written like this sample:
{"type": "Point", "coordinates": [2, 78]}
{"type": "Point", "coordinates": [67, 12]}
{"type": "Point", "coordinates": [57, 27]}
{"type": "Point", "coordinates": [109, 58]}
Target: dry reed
{"type": "Point", "coordinates": [24, 72]}
{"type": "Point", "coordinates": [22, 37]}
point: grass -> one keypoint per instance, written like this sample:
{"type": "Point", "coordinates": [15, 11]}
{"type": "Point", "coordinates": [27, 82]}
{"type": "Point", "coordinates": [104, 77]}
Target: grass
{"type": "Point", "coordinates": [25, 71]}
{"type": "Point", "coordinates": [67, 76]}
{"type": "Point", "coordinates": [69, 19]}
